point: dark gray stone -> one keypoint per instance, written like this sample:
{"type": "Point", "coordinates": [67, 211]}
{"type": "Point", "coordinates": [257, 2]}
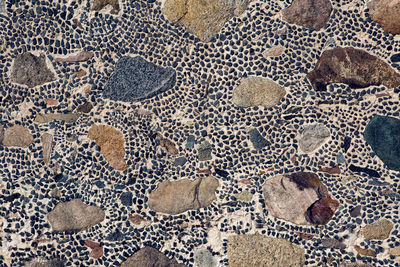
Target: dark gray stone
{"type": "Point", "coordinates": [256, 138]}
{"type": "Point", "coordinates": [204, 151]}
{"type": "Point", "coordinates": [126, 199]}
{"type": "Point", "coordinates": [136, 79]}
{"type": "Point", "coordinates": [383, 135]}
{"type": "Point", "coordinates": [180, 161]}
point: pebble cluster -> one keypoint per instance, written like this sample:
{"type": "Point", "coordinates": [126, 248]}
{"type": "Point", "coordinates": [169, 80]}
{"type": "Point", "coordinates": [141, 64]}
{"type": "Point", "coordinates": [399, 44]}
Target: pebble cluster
{"type": "Point", "coordinates": [189, 131]}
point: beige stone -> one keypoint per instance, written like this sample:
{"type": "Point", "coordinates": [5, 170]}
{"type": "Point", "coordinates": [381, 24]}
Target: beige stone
{"type": "Point", "coordinates": [386, 14]}
{"type": "Point", "coordinates": [17, 136]}
{"type": "Point", "coordinates": [379, 230]}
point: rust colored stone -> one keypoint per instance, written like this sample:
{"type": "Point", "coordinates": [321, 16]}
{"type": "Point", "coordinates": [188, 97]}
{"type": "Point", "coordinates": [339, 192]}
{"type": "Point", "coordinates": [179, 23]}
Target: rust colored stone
{"type": "Point", "coordinates": [245, 181]}
{"type": "Point", "coordinates": [322, 211]}
{"type": "Point", "coordinates": [305, 236]}
{"type": "Point", "coordinates": [81, 56]}
{"type": "Point", "coordinates": [330, 170]}
{"type": "Point", "coordinates": [386, 14]}
{"type": "Point", "coordinates": [80, 73]}
{"type": "Point", "coordinates": [365, 251]}
{"type": "Point", "coordinates": [205, 171]}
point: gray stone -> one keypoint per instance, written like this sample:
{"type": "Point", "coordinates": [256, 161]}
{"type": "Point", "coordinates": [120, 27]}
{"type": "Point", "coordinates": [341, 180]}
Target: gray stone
{"type": "Point", "coordinates": [136, 79]}
{"type": "Point", "coordinates": [41, 262]}
{"type": "Point", "coordinates": [67, 117]}
{"type": "Point", "coordinates": [257, 140]}
{"type": "Point", "coordinates": [74, 215]}
{"type": "Point", "coordinates": [180, 161]}
{"type": "Point", "coordinates": [204, 151]}
{"type": "Point", "coordinates": [312, 136]}
{"type": "Point", "coordinates": [150, 257]}
{"type": "Point", "coordinates": [204, 258]}
{"type": "Point", "coordinates": [332, 243]}
{"type": "Point", "coordinates": [31, 70]}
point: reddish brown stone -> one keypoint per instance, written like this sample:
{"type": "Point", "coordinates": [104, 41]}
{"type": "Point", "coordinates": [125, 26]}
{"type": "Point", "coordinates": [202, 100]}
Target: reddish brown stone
{"type": "Point", "coordinates": [136, 219]}
{"type": "Point", "coordinates": [305, 236]}
{"type": "Point", "coordinates": [386, 14]}
{"type": "Point", "coordinates": [365, 251]}
{"type": "Point", "coordinates": [245, 181]}
{"type": "Point", "coordinates": [322, 211]}
{"type": "Point", "coordinates": [51, 102]}
{"type": "Point", "coordinates": [81, 56]}
{"type": "Point", "coordinates": [354, 67]}
{"type": "Point", "coordinates": [330, 170]}
{"type": "Point", "coordinates": [167, 144]}
{"type": "Point", "coordinates": [80, 73]}
{"type": "Point", "coordinates": [91, 244]}
{"type": "Point", "coordinates": [96, 252]}
{"type": "Point", "coordinates": [205, 171]}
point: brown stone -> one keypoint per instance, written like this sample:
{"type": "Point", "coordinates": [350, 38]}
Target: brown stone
{"type": "Point", "coordinates": [96, 253]}
{"type": "Point", "coordinates": [74, 215]}
{"type": "Point", "coordinates": [203, 18]}
{"type": "Point", "coordinates": [386, 14]}
{"type": "Point", "coordinates": [150, 257]}
{"type": "Point", "coordinates": [98, 5]}
{"type": "Point", "coordinates": [80, 57]}
{"type": "Point", "coordinates": [258, 250]}
{"type": "Point", "coordinates": [167, 144]}
{"type": "Point", "coordinates": [85, 107]}
{"type": "Point", "coordinates": [305, 236]}
{"type": "Point", "coordinates": [67, 117]}
{"type": "Point", "coordinates": [394, 251]}
{"type": "Point", "coordinates": [321, 212]}
{"type": "Point", "coordinates": [378, 230]}
{"type": "Point", "coordinates": [111, 143]}
{"type": "Point", "coordinates": [51, 102]}
{"type": "Point", "coordinates": [80, 73]}
{"type": "Point", "coordinates": [354, 67]}
{"type": "Point", "coordinates": [308, 13]}
{"type": "Point", "coordinates": [31, 70]}
{"type": "Point", "coordinates": [136, 219]}
{"type": "Point", "coordinates": [1, 134]}
{"type": "Point", "coordinates": [17, 136]}
{"type": "Point", "coordinates": [330, 170]}
{"type": "Point", "coordinates": [274, 51]}
{"type": "Point", "coordinates": [332, 243]}
{"type": "Point", "coordinates": [179, 196]}
{"type": "Point", "coordinates": [365, 251]}
{"type": "Point", "coordinates": [47, 143]}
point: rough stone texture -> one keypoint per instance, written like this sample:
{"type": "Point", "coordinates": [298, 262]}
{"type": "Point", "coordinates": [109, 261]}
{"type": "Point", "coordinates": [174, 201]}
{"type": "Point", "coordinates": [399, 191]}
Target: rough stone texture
{"type": "Point", "coordinates": [31, 70]}
{"type": "Point", "coordinates": [1, 134]}
{"type": "Point", "coordinates": [167, 144]}
{"type": "Point", "coordinates": [383, 135]}
{"type": "Point", "coordinates": [354, 67]}
{"type": "Point", "coordinates": [274, 51]}
{"type": "Point", "coordinates": [245, 196]}
{"type": "Point", "coordinates": [74, 215]}
{"type": "Point", "coordinates": [365, 251]}
{"type": "Point", "coordinates": [386, 14]}
{"type": "Point", "coordinates": [179, 196]}
{"type": "Point", "coordinates": [257, 140]}
{"type": "Point", "coordinates": [85, 107]}
{"type": "Point", "coordinates": [300, 198]}
{"type": "Point", "coordinates": [98, 5]}
{"type": "Point", "coordinates": [111, 143]}
{"type": "Point", "coordinates": [379, 230]}
{"type": "Point", "coordinates": [258, 250]}
{"type": "Point", "coordinates": [203, 18]}
{"type": "Point", "coordinates": [308, 13]}
{"type": "Point", "coordinates": [17, 136]}
{"type": "Point", "coordinates": [135, 79]}
{"type": "Point", "coordinates": [150, 257]}
{"type": "Point", "coordinates": [41, 262]}
{"type": "Point", "coordinates": [80, 57]}
{"type": "Point", "coordinates": [356, 211]}
{"type": "Point", "coordinates": [204, 258]}
{"type": "Point", "coordinates": [204, 151]}
{"type": "Point", "coordinates": [332, 243]}
{"type": "Point", "coordinates": [255, 91]}
{"type": "Point", "coordinates": [47, 142]}
{"type": "Point", "coordinates": [67, 117]}
{"type": "Point", "coordinates": [312, 136]}
{"type": "Point", "coordinates": [394, 251]}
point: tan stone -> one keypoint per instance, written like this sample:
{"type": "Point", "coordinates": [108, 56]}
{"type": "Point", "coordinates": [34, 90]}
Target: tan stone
{"type": "Point", "coordinates": [17, 136]}
{"type": "Point", "coordinates": [395, 251]}
{"type": "Point", "coordinates": [379, 230]}
{"type": "Point", "coordinates": [254, 91]}
{"type": "Point", "coordinates": [179, 196]}
{"type": "Point", "coordinates": [274, 51]}
{"type": "Point", "coordinates": [67, 117]}
{"type": "Point", "coordinates": [150, 257]}
{"type": "Point", "coordinates": [47, 142]}
{"type": "Point", "coordinates": [111, 143]}
{"type": "Point", "coordinates": [258, 250]}
{"type": "Point", "coordinates": [365, 251]}
{"type": "Point", "coordinates": [386, 14]}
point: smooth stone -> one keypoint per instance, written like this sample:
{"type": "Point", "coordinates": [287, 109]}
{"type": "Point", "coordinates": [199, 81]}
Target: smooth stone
{"type": "Point", "coordinates": [126, 198]}
{"type": "Point", "coordinates": [332, 243]}
{"type": "Point", "coordinates": [180, 161]}
{"type": "Point", "coordinates": [365, 251]}
{"type": "Point", "coordinates": [67, 117]}
{"type": "Point", "coordinates": [322, 211]}
{"type": "Point", "coordinates": [244, 196]}
{"type": "Point", "coordinates": [257, 140]}
{"type": "Point", "coordinates": [74, 215]}
{"type": "Point", "coordinates": [259, 250]}
{"type": "Point", "coordinates": [257, 91]}
{"type": "Point", "coordinates": [17, 136]}
{"type": "Point", "coordinates": [150, 257]}
{"type": "Point", "coordinates": [204, 258]}
{"type": "Point", "coordinates": [204, 151]}
{"type": "Point", "coordinates": [135, 79]}
{"type": "Point", "coordinates": [340, 158]}
{"type": "Point", "coordinates": [395, 58]}
{"type": "Point", "coordinates": [312, 137]}
{"type": "Point", "coordinates": [179, 196]}
{"type": "Point", "coordinates": [85, 107]}
{"type": "Point", "coordinates": [47, 143]}
{"type": "Point", "coordinates": [190, 141]}
{"type": "Point", "coordinates": [366, 170]}
{"type": "Point", "coordinates": [354, 67]}
{"type": "Point", "coordinates": [378, 230]}
{"type": "Point", "coordinates": [383, 135]}
{"type": "Point", "coordinates": [386, 14]}
{"type": "Point", "coordinates": [308, 13]}
{"type": "Point", "coordinates": [356, 211]}
{"type": "Point", "coordinates": [167, 145]}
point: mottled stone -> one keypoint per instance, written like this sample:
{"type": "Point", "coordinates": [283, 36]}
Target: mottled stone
{"type": "Point", "coordinates": [204, 151]}
{"type": "Point", "coordinates": [354, 67]}
{"type": "Point", "coordinates": [204, 258]}
{"type": "Point", "coordinates": [74, 215]}
{"type": "Point", "coordinates": [255, 91]}
{"type": "Point", "coordinates": [67, 117]}
{"type": "Point", "coordinates": [386, 14]}
{"type": "Point", "coordinates": [98, 5]}
{"type": "Point", "coordinates": [378, 230]}
{"type": "Point", "coordinates": [257, 140]}
{"type": "Point", "coordinates": [85, 107]}
{"type": "Point", "coordinates": [41, 262]}
{"type": "Point", "coordinates": [111, 143]}
{"type": "Point", "coordinates": [80, 73]}
{"type": "Point", "coordinates": [383, 135]}
{"type": "Point", "coordinates": [31, 70]}
{"type": "Point", "coordinates": [203, 18]}
{"type": "Point", "coordinates": [322, 211]}
{"type": "Point", "coordinates": [180, 161]}
{"type": "Point", "coordinates": [356, 211]}
{"type": "Point", "coordinates": [308, 13]}
{"type": "Point", "coordinates": [136, 79]}
{"type": "Point", "coordinates": [150, 257]}
{"type": "Point", "coordinates": [47, 143]}
{"type": "Point", "coordinates": [258, 250]}
{"type": "Point", "coordinates": [312, 137]}
{"type": "Point", "coordinates": [244, 196]}
{"type": "Point", "coordinates": [394, 251]}
{"type": "Point", "coordinates": [274, 51]}
{"type": "Point", "coordinates": [1, 134]}
{"type": "Point", "coordinates": [365, 251]}
{"type": "Point", "coordinates": [17, 136]}
{"type": "Point", "coordinates": [330, 170]}
{"type": "Point", "coordinates": [167, 145]}
{"type": "Point", "coordinates": [126, 198]}
{"type": "Point", "coordinates": [81, 56]}
{"type": "Point", "coordinates": [332, 243]}
{"type": "Point", "coordinates": [179, 196]}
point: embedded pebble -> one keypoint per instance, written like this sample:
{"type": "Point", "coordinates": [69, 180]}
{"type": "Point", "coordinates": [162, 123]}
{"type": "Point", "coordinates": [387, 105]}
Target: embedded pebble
{"type": "Point", "coordinates": [378, 230]}
{"type": "Point", "coordinates": [312, 136]}
{"type": "Point", "coordinates": [148, 257]}
{"type": "Point", "coordinates": [386, 14]}
{"type": "Point", "coordinates": [17, 136]}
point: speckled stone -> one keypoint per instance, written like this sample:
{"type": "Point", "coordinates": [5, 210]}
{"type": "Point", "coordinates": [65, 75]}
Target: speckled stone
{"type": "Point", "coordinates": [150, 257]}
{"type": "Point", "coordinates": [378, 230]}
{"type": "Point", "coordinates": [17, 136]}
{"type": "Point", "coordinates": [386, 14]}
{"type": "Point", "coordinates": [312, 137]}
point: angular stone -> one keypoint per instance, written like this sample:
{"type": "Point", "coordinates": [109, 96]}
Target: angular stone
{"type": "Point", "coordinates": [332, 243]}
{"type": "Point", "coordinates": [365, 251]}
{"type": "Point", "coordinates": [136, 79]}
{"type": "Point", "coordinates": [354, 67]}
{"type": "Point", "coordinates": [300, 198]}
{"type": "Point", "coordinates": [378, 230]}
{"type": "Point", "coordinates": [74, 215]}
{"type": "Point", "coordinates": [258, 250]}
{"type": "Point", "coordinates": [180, 161]}
{"type": "Point", "coordinates": [356, 211]}
{"type": "Point", "coordinates": [47, 143]}
{"type": "Point", "coordinates": [204, 258]}
{"type": "Point", "coordinates": [98, 5]}
{"type": "Point", "coordinates": [85, 107]}
{"type": "Point", "coordinates": [179, 196]}
{"type": "Point", "coordinates": [31, 70]}
{"type": "Point", "coordinates": [167, 144]}
{"type": "Point", "coordinates": [383, 135]}
{"type": "Point", "coordinates": [81, 56]}
{"type": "Point", "coordinates": [203, 18]}
{"type": "Point", "coordinates": [274, 51]}
{"type": "Point", "coordinates": [244, 196]}
{"type": "Point", "coordinates": [67, 117]}
{"type": "Point", "coordinates": [257, 140]}
{"type": "Point", "coordinates": [308, 13]}
{"type": "Point", "coordinates": [111, 143]}
{"type": "Point", "coordinates": [17, 136]}
{"type": "Point", "coordinates": [312, 137]}
{"type": "Point", "coordinates": [150, 257]}
{"type": "Point", "coordinates": [204, 151]}
{"type": "Point", "coordinates": [41, 262]}
{"type": "Point", "coordinates": [330, 170]}
{"type": "Point", "coordinates": [255, 91]}
{"type": "Point", "coordinates": [386, 14]}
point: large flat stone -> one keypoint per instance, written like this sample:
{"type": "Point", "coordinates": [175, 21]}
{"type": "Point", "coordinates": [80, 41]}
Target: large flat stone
{"type": "Point", "coordinates": [17, 136]}
{"type": "Point", "coordinates": [386, 14]}
{"type": "Point", "coordinates": [150, 257]}
{"type": "Point", "coordinates": [136, 79]}
{"type": "Point", "coordinates": [312, 137]}
{"type": "Point", "coordinates": [354, 67]}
